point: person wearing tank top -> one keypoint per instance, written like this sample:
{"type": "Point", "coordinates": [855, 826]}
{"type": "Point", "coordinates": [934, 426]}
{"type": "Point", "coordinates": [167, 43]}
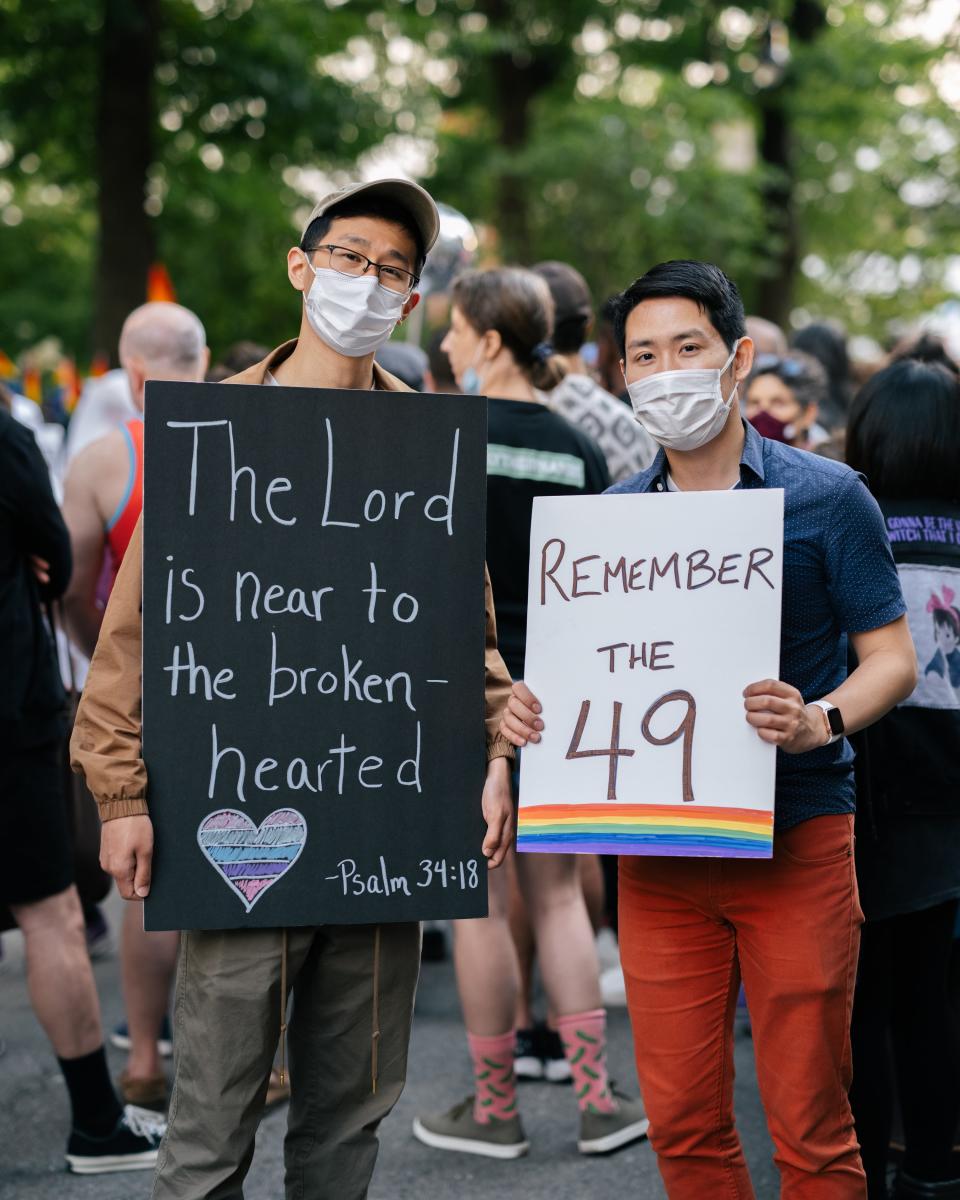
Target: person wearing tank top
{"type": "Point", "coordinates": [103, 497]}
{"type": "Point", "coordinates": [120, 527]}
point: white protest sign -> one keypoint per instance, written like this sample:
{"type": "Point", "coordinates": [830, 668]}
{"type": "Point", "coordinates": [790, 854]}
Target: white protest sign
{"type": "Point", "coordinates": [647, 617]}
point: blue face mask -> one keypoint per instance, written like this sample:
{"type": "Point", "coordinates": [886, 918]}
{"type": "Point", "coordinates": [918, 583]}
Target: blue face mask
{"type": "Point", "coordinates": [471, 384]}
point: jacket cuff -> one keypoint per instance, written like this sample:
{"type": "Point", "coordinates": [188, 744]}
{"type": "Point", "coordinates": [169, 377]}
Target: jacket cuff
{"type": "Point", "coordinates": [110, 810]}
{"type": "Point", "coordinates": [499, 747]}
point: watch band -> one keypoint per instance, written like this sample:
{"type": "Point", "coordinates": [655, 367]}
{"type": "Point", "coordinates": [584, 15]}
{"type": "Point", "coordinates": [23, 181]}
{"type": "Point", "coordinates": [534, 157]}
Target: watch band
{"type": "Point", "coordinates": [832, 719]}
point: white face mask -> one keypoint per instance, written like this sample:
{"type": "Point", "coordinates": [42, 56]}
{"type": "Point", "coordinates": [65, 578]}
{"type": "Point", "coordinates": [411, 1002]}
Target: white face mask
{"type": "Point", "coordinates": [683, 410]}
{"type": "Point", "coordinates": [352, 314]}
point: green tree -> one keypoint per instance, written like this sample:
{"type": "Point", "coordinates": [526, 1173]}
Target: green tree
{"type": "Point", "coordinates": [170, 129]}
{"type": "Point", "coordinates": [809, 146]}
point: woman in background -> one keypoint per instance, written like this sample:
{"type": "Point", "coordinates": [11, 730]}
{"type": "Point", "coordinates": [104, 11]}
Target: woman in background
{"type": "Point", "coordinates": [904, 435]}
{"type": "Point", "coordinates": [498, 345]}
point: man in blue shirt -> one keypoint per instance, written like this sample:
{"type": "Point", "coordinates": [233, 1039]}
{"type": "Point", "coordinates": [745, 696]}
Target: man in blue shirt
{"type": "Point", "coordinates": [691, 929]}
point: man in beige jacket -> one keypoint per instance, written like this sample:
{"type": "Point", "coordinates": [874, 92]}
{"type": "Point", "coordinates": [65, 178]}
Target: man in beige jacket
{"type": "Point", "coordinates": [357, 267]}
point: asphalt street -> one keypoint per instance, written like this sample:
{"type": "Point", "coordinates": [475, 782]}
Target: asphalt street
{"type": "Point", "coordinates": [34, 1115]}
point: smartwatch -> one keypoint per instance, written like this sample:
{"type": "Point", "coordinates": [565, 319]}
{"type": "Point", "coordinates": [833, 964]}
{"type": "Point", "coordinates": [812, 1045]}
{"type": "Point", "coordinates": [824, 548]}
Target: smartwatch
{"type": "Point", "coordinates": [833, 719]}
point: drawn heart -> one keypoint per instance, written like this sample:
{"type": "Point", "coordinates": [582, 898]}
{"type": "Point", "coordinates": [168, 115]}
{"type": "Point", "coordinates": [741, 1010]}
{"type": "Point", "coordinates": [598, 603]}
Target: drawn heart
{"type": "Point", "coordinates": [251, 858]}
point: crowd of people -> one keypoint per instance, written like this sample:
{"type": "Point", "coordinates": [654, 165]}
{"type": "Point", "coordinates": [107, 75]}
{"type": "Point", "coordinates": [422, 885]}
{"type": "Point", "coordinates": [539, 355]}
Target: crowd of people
{"type": "Point", "coordinates": [841, 947]}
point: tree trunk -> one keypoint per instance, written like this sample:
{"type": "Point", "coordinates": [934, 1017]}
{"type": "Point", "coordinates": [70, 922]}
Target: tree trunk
{"type": "Point", "coordinates": [518, 76]}
{"type": "Point", "coordinates": [775, 288]}
{"type": "Point", "coordinates": [124, 135]}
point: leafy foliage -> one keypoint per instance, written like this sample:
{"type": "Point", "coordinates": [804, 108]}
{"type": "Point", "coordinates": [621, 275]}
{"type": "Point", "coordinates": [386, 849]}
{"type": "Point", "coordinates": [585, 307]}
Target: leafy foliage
{"type": "Point", "coordinates": [611, 133]}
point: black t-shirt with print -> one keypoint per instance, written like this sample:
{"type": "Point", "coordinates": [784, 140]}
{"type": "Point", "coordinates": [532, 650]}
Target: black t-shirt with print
{"type": "Point", "coordinates": [531, 452]}
{"type": "Point", "coordinates": [912, 763]}
{"type": "Point", "coordinates": [908, 763]}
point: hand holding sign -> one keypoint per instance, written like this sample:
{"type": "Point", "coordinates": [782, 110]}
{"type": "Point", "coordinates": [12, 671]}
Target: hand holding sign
{"type": "Point", "coordinates": [774, 708]}
{"type": "Point", "coordinates": [777, 712]}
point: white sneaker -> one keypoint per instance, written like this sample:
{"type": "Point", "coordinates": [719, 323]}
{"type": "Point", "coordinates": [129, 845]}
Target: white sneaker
{"type": "Point", "coordinates": [612, 987]}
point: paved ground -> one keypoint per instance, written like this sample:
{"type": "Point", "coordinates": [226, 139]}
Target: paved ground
{"type": "Point", "coordinates": [33, 1117]}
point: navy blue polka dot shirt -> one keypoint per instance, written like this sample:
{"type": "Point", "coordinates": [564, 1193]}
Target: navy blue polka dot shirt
{"type": "Point", "coordinates": [838, 578]}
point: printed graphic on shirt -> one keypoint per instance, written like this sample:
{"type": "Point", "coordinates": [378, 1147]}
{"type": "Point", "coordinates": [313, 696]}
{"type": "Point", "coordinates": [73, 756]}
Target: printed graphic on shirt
{"type": "Point", "coordinates": [933, 611]}
{"type": "Point", "coordinates": [937, 530]}
{"type": "Point", "coordinates": [542, 466]}
{"type": "Point", "coordinates": [625, 444]}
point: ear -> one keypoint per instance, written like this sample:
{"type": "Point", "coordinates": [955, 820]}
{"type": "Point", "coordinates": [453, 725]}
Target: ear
{"type": "Point", "coordinates": [623, 368]}
{"type": "Point", "coordinates": [298, 271]}
{"type": "Point", "coordinates": [492, 344]}
{"type": "Point", "coordinates": [743, 361]}
{"type": "Point", "coordinates": [409, 306]}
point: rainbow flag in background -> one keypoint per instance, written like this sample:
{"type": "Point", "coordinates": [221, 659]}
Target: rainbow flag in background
{"type": "Point", "coordinates": [69, 380]}
{"type": "Point", "coordinates": [665, 829]}
{"type": "Point", "coordinates": [32, 384]}
{"type": "Point", "coordinates": [159, 284]}
{"type": "Point", "coordinates": [8, 368]}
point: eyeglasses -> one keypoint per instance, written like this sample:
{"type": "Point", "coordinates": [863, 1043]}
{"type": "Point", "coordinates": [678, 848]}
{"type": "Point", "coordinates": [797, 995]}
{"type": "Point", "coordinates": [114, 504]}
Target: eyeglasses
{"type": "Point", "coordinates": [350, 262]}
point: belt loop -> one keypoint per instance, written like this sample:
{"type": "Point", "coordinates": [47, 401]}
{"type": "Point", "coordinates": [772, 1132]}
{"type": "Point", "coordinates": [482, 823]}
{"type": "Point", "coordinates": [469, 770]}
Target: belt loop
{"type": "Point", "coordinates": [375, 1040]}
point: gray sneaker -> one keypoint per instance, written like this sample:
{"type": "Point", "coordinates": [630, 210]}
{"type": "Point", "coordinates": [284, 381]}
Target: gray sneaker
{"type": "Point", "coordinates": [457, 1130]}
{"type": "Point", "coordinates": [601, 1133]}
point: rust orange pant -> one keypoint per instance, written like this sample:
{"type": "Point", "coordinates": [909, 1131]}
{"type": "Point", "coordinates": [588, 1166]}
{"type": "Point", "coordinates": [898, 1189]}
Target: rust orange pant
{"type": "Point", "coordinates": [690, 929]}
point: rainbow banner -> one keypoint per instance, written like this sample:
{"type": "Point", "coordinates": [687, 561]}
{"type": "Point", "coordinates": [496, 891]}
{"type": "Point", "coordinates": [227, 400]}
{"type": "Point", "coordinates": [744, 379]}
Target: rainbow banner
{"type": "Point", "coordinates": [663, 829]}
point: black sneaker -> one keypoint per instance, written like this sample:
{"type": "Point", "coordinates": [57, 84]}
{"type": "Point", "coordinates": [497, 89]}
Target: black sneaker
{"type": "Point", "coordinates": [132, 1146]}
{"type": "Point", "coordinates": [556, 1069]}
{"type": "Point", "coordinates": [527, 1061]}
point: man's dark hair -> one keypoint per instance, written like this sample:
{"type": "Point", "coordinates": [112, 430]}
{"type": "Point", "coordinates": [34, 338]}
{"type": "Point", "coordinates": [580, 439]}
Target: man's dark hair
{"type": "Point", "coordinates": [904, 432]}
{"type": "Point", "coordinates": [703, 283]}
{"type": "Point", "coordinates": [365, 206]}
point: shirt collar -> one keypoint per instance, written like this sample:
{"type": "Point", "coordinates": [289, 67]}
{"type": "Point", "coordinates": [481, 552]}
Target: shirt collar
{"type": "Point", "coordinates": [751, 463]}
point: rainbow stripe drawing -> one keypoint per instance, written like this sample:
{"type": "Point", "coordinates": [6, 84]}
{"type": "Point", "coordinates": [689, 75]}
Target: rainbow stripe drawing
{"type": "Point", "coordinates": [664, 829]}
{"type": "Point", "coordinates": [251, 858]}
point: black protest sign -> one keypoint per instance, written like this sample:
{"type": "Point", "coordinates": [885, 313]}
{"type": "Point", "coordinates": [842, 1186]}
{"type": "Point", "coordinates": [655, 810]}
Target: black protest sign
{"type": "Point", "coordinates": [313, 655]}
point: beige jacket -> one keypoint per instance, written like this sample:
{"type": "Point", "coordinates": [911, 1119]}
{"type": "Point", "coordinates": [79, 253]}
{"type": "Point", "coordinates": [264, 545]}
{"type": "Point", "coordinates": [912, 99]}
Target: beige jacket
{"type": "Point", "coordinates": [105, 746]}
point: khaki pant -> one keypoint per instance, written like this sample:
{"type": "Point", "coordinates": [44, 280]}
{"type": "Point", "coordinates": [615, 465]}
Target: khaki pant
{"type": "Point", "coordinates": [226, 1029]}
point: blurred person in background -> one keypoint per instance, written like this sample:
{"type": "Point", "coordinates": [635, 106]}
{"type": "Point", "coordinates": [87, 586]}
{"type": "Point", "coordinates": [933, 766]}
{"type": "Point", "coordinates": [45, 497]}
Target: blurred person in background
{"type": "Point", "coordinates": [103, 497]}
{"type": "Point", "coordinates": [35, 821]}
{"type": "Point", "coordinates": [407, 362]}
{"type": "Point", "coordinates": [106, 403]}
{"type": "Point", "coordinates": [608, 370]}
{"type": "Point", "coordinates": [499, 347]}
{"type": "Point", "coordinates": [904, 435]}
{"type": "Point", "coordinates": [783, 398]}
{"type": "Point", "coordinates": [624, 443]}
{"type": "Point", "coordinates": [238, 357]}
{"type": "Point", "coordinates": [767, 337]}
{"type": "Point", "coordinates": [927, 348]}
{"type": "Point", "coordinates": [828, 345]}
{"type": "Point", "coordinates": [439, 376]}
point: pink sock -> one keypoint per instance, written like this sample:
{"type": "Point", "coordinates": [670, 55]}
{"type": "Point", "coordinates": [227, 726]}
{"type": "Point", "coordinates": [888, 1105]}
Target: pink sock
{"type": "Point", "coordinates": [584, 1037]}
{"type": "Point", "coordinates": [496, 1096]}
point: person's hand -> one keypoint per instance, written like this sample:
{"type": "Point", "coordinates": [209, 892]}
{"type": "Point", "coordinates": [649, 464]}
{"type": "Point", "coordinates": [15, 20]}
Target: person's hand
{"type": "Point", "coordinates": [126, 853]}
{"type": "Point", "coordinates": [777, 712]}
{"type": "Point", "coordinates": [41, 569]}
{"type": "Point", "coordinates": [497, 805]}
{"type": "Point", "coordinates": [521, 721]}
